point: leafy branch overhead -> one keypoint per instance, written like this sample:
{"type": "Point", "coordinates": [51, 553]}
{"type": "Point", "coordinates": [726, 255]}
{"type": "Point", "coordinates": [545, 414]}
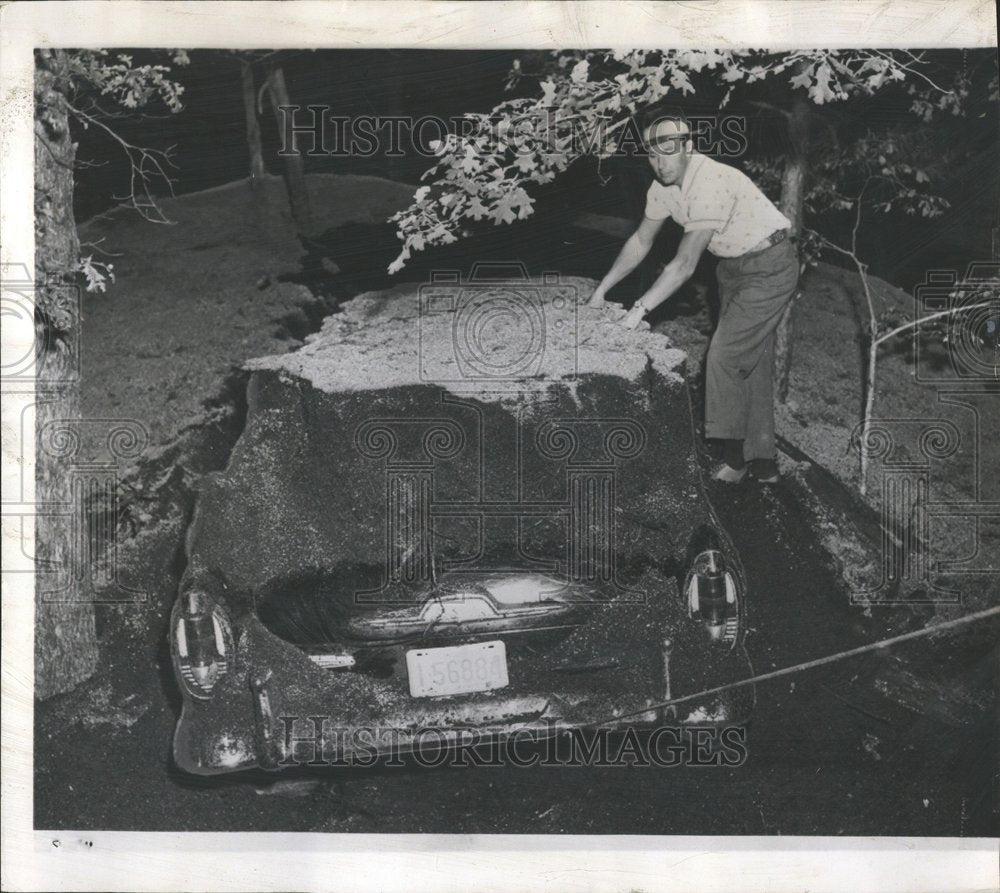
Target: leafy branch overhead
{"type": "Point", "coordinates": [877, 171]}
{"type": "Point", "coordinates": [127, 85]}
{"type": "Point", "coordinates": [585, 103]}
{"type": "Point", "coordinates": [96, 89]}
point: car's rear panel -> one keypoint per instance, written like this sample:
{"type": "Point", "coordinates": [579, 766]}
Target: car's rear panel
{"type": "Point", "coordinates": [590, 661]}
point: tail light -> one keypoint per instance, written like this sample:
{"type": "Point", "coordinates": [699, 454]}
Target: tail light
{"type": "Point", "coordinates": [711, 596]}
{"type": "Point", "coordinates": [201, 642]}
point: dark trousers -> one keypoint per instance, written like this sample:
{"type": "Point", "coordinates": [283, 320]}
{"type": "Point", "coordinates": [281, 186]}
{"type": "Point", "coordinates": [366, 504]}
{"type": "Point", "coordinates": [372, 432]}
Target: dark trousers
{"type": "Point", "coordinates": [754, 290]}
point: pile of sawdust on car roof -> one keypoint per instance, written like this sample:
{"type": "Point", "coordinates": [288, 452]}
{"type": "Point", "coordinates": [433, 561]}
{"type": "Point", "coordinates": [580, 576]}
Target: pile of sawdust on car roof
{"type": "Point", "coordinates": [527, 333]}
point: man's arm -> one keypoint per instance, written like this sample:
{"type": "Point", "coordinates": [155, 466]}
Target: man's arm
{"type": "Point", "coordinates": [674, 275]}
{"type": "Point", "coordinates": [633, 252]}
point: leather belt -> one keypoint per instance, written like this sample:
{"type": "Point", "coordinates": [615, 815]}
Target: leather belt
{"type": "Point", "coordinates": [776, 238]}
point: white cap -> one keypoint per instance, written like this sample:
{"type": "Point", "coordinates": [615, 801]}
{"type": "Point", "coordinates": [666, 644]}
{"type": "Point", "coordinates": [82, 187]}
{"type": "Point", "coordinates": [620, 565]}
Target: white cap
{"type": "Point", "coordinates": [667, 130]}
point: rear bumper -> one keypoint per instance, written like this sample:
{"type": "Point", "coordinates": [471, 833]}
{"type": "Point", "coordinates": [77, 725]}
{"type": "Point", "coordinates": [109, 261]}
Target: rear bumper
{"type": "Point", "coordinates": [320, 741]}
{"type": "Point", "coordinates": [293, 713]}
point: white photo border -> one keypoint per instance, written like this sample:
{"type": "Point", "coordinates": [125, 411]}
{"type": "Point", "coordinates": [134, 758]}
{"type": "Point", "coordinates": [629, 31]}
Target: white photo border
{"type": "Point", "coordinates": [87, 860]}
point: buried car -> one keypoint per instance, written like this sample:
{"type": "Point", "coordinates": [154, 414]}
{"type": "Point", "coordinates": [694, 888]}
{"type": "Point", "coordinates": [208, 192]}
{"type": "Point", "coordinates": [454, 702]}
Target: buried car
{"type": "Point", "coordinates": [425, 526]}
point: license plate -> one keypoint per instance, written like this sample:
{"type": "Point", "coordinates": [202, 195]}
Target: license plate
{"type": "Point", "coordinates": [459, 669]}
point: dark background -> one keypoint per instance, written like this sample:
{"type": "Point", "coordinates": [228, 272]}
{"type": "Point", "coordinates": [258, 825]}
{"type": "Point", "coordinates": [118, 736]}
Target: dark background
{"type": "Point", "coordinates": [209, 135]}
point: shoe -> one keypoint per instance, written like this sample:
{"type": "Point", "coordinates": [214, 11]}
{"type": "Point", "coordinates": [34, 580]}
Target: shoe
{"type": "Point", "coordinates": [729, 475]}
{"type": "Point", "coordinates": [764, 471]}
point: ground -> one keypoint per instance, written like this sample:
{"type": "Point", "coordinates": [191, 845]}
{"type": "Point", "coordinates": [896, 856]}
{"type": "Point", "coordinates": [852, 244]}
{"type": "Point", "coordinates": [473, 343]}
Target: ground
{"type": "Point", "coordinates": [893, 742]}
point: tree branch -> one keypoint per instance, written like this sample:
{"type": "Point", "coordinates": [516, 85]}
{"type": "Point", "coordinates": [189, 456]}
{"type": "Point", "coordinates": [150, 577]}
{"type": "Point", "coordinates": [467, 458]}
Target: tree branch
{"type": "Point", "coordinates": [97, 247]}
{"type": "Point", "coordinates": [140, 176]}
{"type": "Point", "coordinates": [771, 107]}
{"type": "Point", "coordinates": [913, 71]}
{"type": "Point", "coordinates": [919, 322]}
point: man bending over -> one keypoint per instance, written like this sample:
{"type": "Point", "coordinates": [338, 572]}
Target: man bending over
{"type": "Point", "coordinates": [720, 209]}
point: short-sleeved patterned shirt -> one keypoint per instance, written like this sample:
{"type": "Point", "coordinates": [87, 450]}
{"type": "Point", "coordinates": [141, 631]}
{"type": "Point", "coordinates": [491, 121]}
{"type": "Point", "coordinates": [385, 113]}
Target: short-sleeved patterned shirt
{"type": "Point", "coordinates": [718, 197]}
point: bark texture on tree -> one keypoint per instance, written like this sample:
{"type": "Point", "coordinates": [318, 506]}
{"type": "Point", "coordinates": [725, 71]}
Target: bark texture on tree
{"type": "Point", "coordinates": [66, 649]}
{"type": "Point", "coordinates": [298, 194]}
{"type": "Point", "coordinates": [792, 194]}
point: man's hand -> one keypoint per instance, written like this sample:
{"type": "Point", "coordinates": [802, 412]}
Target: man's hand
{"type": "Point", "coordinates": [674, 275]}
{"type": "Point", "coordinates": [635, 316]}
{"type": "Point", "coordinates": [636, 247]}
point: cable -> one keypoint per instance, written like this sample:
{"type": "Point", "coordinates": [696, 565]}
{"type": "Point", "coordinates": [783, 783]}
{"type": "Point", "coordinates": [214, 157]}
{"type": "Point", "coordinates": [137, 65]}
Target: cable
{"type": "Point", "coordinates": [810, 664]}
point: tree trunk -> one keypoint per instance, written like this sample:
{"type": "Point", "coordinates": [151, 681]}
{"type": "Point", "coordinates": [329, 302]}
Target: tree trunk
{"type": "Point", "coordinates": [257, 169]}
{"type": "Point", "coordinates": [298, 195]}
{"type": "Point", "coordinates": [792, 194]}
{"type": "Point", "coordinates": [66, 648]}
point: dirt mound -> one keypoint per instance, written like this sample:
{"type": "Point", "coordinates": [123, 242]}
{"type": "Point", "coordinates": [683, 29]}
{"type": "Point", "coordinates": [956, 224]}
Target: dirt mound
{"type": "Point", "coordinates": [193, 300]}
